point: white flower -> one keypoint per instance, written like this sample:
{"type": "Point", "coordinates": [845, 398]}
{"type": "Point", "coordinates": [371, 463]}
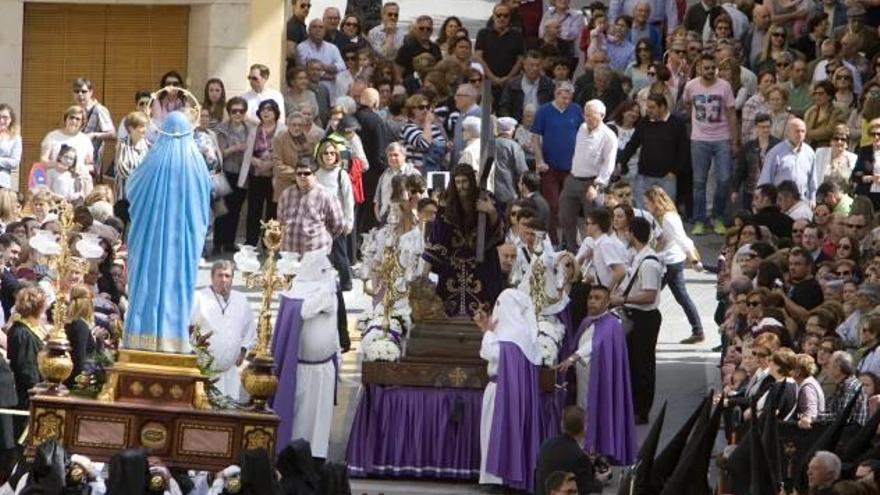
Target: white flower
{"type": "Point", "coordinates": [381, 349]}
{"type": "Point", "coordinates": [552, 328]}
{"type": "Point", "coordinates": [549, 350]}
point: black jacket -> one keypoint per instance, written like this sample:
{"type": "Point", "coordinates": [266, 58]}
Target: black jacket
{"type": "Point", "coordinates": [9, 286]}
{"type": "Point", "coordinates": [563, 453]}
{"type": "Point", "coordinates": [511, 103]}
{"type": "Point", "coordinates": [865, 166]}
{"type": "Point", "coordinates": [665, 147]}
{"type": "Point", "coordinates": [774, 219]}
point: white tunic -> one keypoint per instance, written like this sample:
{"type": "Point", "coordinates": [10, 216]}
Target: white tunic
{"type": "Point", "coordinates": [582, 369]}
{"type": "Point", "coordinates": [489, 351]}
{"type": "Point", "coordinates": [316, 383]}
{"type": "Point", "coordinates": [234, 328]}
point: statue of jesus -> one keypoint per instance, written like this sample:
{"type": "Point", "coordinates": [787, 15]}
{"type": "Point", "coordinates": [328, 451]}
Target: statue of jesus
{"type": "Point", "coordinates": [170, 201]}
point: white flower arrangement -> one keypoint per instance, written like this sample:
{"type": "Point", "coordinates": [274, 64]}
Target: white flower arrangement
{"type": "Point", "coordinates": [549, 350]}
{"type": "Point", "coordinates": [550, 334]}
{"type": "Point", "coordinates": [382, 349]}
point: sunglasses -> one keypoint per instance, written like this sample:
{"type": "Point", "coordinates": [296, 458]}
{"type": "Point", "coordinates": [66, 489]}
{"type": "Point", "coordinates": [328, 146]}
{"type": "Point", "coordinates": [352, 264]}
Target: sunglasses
{"type": "Point", "coordinates": [304, 173]}
{"type": "Point", "coordinates": [875, 134]}
{"type": "Point", "coordinates": [760, 355]}
{"type": "Point", "coordinates": [839, 138]}
{"type": "Point", "coordinates": [393, 15]}
{"type": "Point", "coordinates": [643, 49]}
{"type": "Point", "coordinates": [778, 35]}
{"type": "Point", "coordinates": [475, 80]}
{"type": "Point", "coordinates": [143, 103]}
{"type": "Point", "coordinates": [855, 225]}
{"type": "Point", "coordinates": [80, 91]}
{"type": "Point", "coordinates": [844, 274]}
{"type": "Point", "coordinates": [844, 246]}
{"type": "Point", "coordinates": [253, 78]}
{"type": "Point", "coordinates": [350, 24]}
{"type": "Point", "coordinates": [175, 84]}
{"type": "Point", "coordinates": [422, 107]}
{"type": "Point", "coordinates": [329, 152]}
{"type": "Point", "coordinates": [502, 16]}
{"type": "Point", "coordinates": [425, 29]}
{"type": "Point", "coordinates": [782, 65]}
{"type": "Point", "coordinates": [237, 111]}
{"type": "Point", "coordinates": [652, 74]}
{"type": "Point", "coordinates": [753, 304]}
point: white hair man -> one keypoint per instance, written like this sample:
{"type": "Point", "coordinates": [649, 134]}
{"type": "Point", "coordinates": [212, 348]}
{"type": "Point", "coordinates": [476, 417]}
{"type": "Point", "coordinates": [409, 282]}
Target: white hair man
{"type": "Point", "coordinates": [595, 154]}
{"type": "Point", "coordinates": [225, 317]}
{"type": "Point", "coordinates": [470, 134]}
{"type": "Point", "coordinates": [822, 471]}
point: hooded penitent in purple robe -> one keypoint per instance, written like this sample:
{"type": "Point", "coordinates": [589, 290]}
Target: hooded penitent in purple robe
{"type": "Point", "coordinates": [516, 427]}
{"type": "Point", "coordinates": [610, 428]}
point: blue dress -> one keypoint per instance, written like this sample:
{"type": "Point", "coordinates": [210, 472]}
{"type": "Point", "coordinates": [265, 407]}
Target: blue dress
{"type": "Point", "coordinates": [170, 196]}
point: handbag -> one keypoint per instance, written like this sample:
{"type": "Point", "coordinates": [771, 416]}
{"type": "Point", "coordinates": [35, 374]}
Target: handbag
{"type": "Point", "coordinates": [221, 184]}
{"type": "Point", "coordinates": [624, 313]}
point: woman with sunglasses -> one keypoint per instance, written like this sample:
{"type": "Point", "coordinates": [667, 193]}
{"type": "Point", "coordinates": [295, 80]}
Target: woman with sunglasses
{"type": "Point", "coordinates": [257, 169]}
{"type": "Point", "coordinates": [423, 135]}
{"type": "Point", "coordinates": [835, 163]}
{"type": "Point", "coordinates": [332, 175]}
{"type": "Point", "coordinates": [71, 135]}
{"type": "Point", "coordinates": [641, 71]}
{"type": "Point", "coordinates": [351, 31]}
{"type": "Point", "coordinates": [870, 110]}
{"type": "Point", "coordinates": [822, 117]}
{"type": "Point", "coordinates": [169, 100]}
{"type": "Point", "coordinates": [232, 137]}
{"type": "Point", "coordinates": [775, 43]}
{"type": "Point", "coordinates": [865, 177]}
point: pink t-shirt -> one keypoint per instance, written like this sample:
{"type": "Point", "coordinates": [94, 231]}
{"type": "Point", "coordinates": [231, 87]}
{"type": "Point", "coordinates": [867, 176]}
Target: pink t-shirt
{"type": "Point", "coordinates": [709, 116]}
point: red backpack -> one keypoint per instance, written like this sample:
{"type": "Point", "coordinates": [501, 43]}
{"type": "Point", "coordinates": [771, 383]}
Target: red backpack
{"type": "Point", "coordinates": [356, 174]}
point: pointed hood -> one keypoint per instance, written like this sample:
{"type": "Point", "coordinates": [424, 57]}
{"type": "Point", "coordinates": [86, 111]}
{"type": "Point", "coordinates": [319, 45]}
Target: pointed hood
{"type": "Point", "coordinates": [761, 480]}
{"type": "Point", "coordinates": [49, 471]}
{"type": "Point", "coordinates": [861, 442]}
{"type": "Point", "coordinates": [637, 481]}
{"type": "Point", "coordinates": [827, 441]}
{"type": "Point", "coordinates": [690, 475]}
{"type": "Point", "coordinates": [129, 472]}
{"type": "Point", "coordinates": [665, 463]}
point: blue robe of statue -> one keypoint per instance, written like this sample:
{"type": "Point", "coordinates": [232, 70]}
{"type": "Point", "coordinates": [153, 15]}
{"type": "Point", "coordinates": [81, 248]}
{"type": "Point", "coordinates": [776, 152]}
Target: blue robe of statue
{"type": "Point", "coordinates": [170, 196]}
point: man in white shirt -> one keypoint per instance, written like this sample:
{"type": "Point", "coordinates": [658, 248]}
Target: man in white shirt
{"type": "Point", "coordinates": [225, 316]}
{"type": "Point", "coordinates": [605, 254]}
{"type": "Point", "coordinates": [595, 152]}
{"type": "Point", "coordinates": [791, 203]}
{"type": "Point", "coordinates": [315, 48]}
{"type": "Point", "coordinates": [387, 38]}
{"type": "Point", "coordinates": [259, 92]}
{"type": "Point", "coordinates": [641, 298]}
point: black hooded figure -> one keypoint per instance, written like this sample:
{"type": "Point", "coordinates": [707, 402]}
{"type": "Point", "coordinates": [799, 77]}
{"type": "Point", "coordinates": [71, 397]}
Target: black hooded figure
{"type": "Point", "coordinates": [129, 473]}
{"type": "Point", "coordinates": [257, 473]}
{"type": "Point", "coordinates": [49, 471]}
{"type": "Point", "coordinates": [298, 473]}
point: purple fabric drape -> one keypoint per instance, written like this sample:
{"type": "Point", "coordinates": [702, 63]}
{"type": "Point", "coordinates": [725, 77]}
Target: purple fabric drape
{"type": "Point", "coordinates": [416, 432]}
{"type": "Point", "coordinates": [285, 351]}
{"type": "Point", "coordinates": [516, 424]}
{"type": "Point", "coordinates": [611, 429]}
{"type": "Point", "coordinates": [553, 404]}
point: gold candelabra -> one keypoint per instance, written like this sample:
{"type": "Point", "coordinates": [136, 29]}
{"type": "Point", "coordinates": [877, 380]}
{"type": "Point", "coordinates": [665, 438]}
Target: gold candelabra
{"type": "Point", "coordinates": [259, 378]}
{"type": "Point", "coordinates": [390, 270]}
{"type": "Point", "coordinates": [537, 281]}
{"type": "Point", "coordinates": [54, 360]}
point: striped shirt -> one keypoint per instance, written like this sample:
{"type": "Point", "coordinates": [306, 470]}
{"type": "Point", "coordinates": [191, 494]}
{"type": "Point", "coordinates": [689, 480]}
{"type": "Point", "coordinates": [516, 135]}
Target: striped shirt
{"type": "Point", "coordinates": [416, 145]}
{"type": "Point", "coordinates": [311, 219]}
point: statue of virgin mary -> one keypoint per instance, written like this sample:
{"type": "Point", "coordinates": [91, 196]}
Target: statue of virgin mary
{"type": "Point", "coordinates": [170, 196]}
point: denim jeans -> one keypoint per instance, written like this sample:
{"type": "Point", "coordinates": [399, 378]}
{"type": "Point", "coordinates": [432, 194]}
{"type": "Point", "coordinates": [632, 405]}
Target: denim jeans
{"type": "Point", "coordinates": [644, 182]}
{"type": "Point", "coordinates": [703, 155]}
{"type": "Point", "coordinates": [674, 277]}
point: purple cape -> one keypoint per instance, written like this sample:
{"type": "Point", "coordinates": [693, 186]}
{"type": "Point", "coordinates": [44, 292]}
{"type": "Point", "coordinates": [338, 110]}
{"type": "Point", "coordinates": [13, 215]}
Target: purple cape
{"type": "Point", "coordinates": [516, 424]}
{"type": "Point", "coordinates": [611, 429]}
{"type": "Point", "coordinates": [285, 351]}
{"type": "Point", "coordinates": [553, 403]}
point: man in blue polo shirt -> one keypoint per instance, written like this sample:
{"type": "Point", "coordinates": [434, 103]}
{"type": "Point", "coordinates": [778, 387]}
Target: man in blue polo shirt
{"type": "Point", "coordinates": [553, 136]}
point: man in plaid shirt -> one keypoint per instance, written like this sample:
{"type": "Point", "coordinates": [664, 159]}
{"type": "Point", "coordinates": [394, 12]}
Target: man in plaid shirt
{"type": "Point", "coordinates": [841, 370]}
{"type": "Point", "coordinates": [311, 216]}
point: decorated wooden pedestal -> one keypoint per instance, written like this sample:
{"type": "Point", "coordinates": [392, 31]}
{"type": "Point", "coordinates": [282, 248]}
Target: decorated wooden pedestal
{"type": "Point", "coordinates": [441, 353]}
{"type": "Point", "coordinates": [156, 401]}
{"type": "Point", "coordinates": [420, 417]}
